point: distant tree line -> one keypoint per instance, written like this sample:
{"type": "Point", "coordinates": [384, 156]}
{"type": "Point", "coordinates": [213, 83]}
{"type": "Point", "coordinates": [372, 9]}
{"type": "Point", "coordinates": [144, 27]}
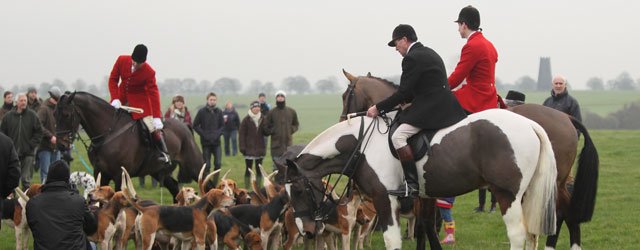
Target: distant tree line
{"type": "Point", "coordinates": [628, 117]}
{"type": "Point", "coordinates": [624, 81]}
{"type": "Point", "coordinates": [186, 86]}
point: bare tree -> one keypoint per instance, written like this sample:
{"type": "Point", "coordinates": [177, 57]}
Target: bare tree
{"type": "Point", "coordinates": [255, 87]}
{"type": "Point", "coordinates": [525, 83]}
{"type": "Point", "coordinates": [622, 82]}
{"type": "Point", "coordinates": [227, 85]}
{"type": "Point", "coordinates": [296, 84]}
{"type": "Point", "coordinates": [595, 83]}
{"type": "Point", "coordinates": [79, 85]}
{"type": "Point", "coordinates": [328, 85]}
{"type": "Point", "coordinates": [269, 88]}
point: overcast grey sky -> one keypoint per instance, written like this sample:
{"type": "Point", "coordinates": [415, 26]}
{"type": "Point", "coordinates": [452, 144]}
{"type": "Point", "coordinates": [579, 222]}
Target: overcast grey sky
{"type": "Point", "coordinates": [271, 40]}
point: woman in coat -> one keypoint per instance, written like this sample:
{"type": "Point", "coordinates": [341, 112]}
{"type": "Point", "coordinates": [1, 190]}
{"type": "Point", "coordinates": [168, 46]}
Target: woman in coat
{"type": "Point", "coordinates": [252, 143]}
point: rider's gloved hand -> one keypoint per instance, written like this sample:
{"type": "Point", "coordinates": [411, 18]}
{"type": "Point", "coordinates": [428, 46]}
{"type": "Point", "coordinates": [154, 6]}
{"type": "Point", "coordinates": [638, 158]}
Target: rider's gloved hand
{"type": "Point", "coordinates": [116, 103]}
{"type": "Point", "coordinates": [157, 122]}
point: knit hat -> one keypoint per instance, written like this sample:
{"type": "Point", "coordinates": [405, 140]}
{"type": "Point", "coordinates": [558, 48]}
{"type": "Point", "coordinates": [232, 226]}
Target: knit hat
{"type": "Point", "coordinates": [58, 171]}
{"type": "Point", "coordinates": [31, 90]}
{"type": "Point", "coordinates": [281, 93]}
{"type": "Point", "coordinates": [55, 92]}
{"type": "Point", "coordinates": [139, 54]}
{"type": "Point", "coordinates": [254, 104]}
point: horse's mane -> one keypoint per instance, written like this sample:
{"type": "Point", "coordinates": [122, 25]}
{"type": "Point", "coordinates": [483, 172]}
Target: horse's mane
{"type": "Point", "coordinates": [385, 81]}
{"type": "Point", "coordinates": [93, 98]}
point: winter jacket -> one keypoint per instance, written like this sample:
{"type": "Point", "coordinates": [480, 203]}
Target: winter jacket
{"type": "Point", "coordinates": [233, 120]}
{"type": "Point", "coordinates": [280, 124]}
{"type": "Point", "coordinates": [185, 118]}
{"type": "Point", "coordinates": [35, 104]}
{"type": "Point", "coordinates": [565, 103]}
{"type": "Point", "coordinates": [45, 114]}
{"type": "Point", "coordinates": [251, 139]}
{"type": "Point", "coordinates": [9, 167]}
{"type": "Point", "coordinates": [59, 218]}
{"type": "Point", "coordinates": [5, 109]}
{"type": "Point", "coordinates": [209, 124]}
{"type": "Point", "coordinates": [24, 129]}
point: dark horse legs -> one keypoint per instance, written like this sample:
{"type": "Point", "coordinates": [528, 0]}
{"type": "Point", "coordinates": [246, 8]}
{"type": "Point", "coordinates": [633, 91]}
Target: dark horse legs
{"type": "Point", "coordinates": [426, 224]}
{"type": "Point", "coordinates": [574, 232]}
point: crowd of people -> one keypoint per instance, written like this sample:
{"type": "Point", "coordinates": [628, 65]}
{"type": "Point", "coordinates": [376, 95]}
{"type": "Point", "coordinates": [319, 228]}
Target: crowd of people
{"type": "Point", "coordinates": [28, 134]}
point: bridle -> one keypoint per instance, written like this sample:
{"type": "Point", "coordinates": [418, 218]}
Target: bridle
{"type": "Point", "coordinates": [321, 209]}
{"type": "Point", "coordinates": [351, 100]}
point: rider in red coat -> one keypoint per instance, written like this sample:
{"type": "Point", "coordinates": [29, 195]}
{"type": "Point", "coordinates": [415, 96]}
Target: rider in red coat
{"type": "Point", "coordinates": [477, 65]}
{"type": "Point", "coordinates": [138, 89]}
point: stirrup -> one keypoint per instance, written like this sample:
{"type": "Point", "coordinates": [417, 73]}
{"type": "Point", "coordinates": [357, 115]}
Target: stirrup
{"type": "Point", "coordinates": [164, 157]}
{"type": "Point", "coordinates": [407, 191]}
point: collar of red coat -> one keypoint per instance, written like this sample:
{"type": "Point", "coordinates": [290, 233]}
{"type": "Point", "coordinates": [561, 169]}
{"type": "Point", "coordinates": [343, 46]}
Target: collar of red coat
{"type": "Point", "coordinates": [474, 35]}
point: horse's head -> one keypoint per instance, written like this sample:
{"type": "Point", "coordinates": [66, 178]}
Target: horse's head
{"type": "Point", "coordinates": [305, 195]}
{"type": "Point", "coordinates": [362, 92]}
{"type": "Point", "coordinates": [67, 121]}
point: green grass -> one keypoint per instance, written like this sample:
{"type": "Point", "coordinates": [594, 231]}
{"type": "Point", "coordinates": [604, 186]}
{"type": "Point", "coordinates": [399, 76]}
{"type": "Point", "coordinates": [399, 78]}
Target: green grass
{"type": "Point", "coordinates": [614, 225]}
{"type": "Point", "coordinates": [599, 102]}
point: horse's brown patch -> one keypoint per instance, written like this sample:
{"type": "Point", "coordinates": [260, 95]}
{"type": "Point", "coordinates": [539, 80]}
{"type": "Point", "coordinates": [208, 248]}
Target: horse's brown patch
{"type": "Point", "coordinates": [477, 154]}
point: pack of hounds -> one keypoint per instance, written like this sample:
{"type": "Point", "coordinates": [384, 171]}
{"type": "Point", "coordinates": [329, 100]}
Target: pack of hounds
{"type": "Point", "coordinates": [209, 218]}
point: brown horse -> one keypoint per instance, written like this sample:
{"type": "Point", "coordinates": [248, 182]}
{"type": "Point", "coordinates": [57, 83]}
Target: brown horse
{"type": "Point", "coordinates": [573, 209]}
{"type": "Point", "coordinates": [116, 140]}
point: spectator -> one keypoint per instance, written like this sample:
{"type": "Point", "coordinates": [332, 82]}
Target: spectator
{"type": "Point", "coordinates": [178, 110]}
{"type": "Point", "coordinates": [9, 168]}
{"type": "Point", "coordinates": [33, 100]}
{"type": "Point", "coordinates": [23, 127]}
{"type": "Point", "coordinates": [209, 125]}
{"type": "Point", "coordinates": [7, 104]}
{"type": "Point", "coordinates": [58, 217]}
{"type": "Point", "coordinates": [264, 106]}
{"type": "Point", "coordinates": [230, 132]}
{"type": "Point", "coordinates": [47, 153]}
{"type": "Point", "coordinates": [252, 141]}
{"type": "Point", "coordinates": [445, 205]}
{"type": "Point", "coordinates": [561, 100]}
{"type": "Point", "coordinates": [280, 124]}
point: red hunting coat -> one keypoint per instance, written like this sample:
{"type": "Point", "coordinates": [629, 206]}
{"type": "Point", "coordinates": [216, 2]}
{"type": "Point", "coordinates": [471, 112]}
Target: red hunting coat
{"type": "Point", "coordinates": [478, 65]}
{"type": "Point", "coordinates": [137, 89]}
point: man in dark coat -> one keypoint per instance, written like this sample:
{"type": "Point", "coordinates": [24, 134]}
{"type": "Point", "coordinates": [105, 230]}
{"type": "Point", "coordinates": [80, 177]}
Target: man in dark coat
{"type": "Point", "coordinates": [58, 217]}
{"type": "Point", "coordinates": [23, 127]}
{"type": "Point", "coordinates": [423, 84]}
{"type": "Point", "coordinates": [280, 124]}
{"type": "Point", "coordinates": [47, 152]}
{"type": "Point", "coordinates": [9, 168]}
{"type": "Point", "coordinates": [209, 124]}
{"type": "Point", "coordinates": [33, 101]}
{"type": "Point", "coordinates": [7, 104]}
{"type": "Point", "coordinates": [561, 100]}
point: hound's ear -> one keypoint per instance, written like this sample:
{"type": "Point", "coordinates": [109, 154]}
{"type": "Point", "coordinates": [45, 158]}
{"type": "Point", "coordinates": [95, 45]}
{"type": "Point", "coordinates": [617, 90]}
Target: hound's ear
{"type": "Point", "coordinates": [368, 74]}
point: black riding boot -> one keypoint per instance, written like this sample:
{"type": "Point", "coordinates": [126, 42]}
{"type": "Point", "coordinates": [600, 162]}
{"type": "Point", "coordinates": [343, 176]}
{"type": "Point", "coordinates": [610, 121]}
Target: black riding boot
{"type": "Point", "coordinates": [411, 188]}
{"type": "Point", "coordinates": [158, 138]}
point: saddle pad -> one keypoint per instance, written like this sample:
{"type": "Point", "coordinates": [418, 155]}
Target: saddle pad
{"type": "Point", "coordinates": [419, 142]}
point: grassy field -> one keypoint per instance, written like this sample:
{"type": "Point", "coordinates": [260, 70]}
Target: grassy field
{"type": "Point", "coordinates": [614, 225]}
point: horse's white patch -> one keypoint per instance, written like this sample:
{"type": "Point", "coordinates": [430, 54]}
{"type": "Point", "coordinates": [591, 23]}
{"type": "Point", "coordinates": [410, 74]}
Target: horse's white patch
{"type": "Point", "coordinates": [299, 225]}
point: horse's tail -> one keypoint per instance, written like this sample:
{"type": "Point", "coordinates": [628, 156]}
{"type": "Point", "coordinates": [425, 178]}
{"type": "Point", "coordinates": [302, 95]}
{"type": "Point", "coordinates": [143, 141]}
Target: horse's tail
{"type": "Point", "coordinates": [583, 198]}
{"type": "Point", "coordinates": [539, 201]}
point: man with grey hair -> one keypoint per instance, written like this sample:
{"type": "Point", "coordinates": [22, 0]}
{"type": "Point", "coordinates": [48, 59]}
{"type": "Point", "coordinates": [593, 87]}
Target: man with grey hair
{"type": "Point", "coordinates": [561, 100]}
{"type": "Point", "coordinates": [23, 127]}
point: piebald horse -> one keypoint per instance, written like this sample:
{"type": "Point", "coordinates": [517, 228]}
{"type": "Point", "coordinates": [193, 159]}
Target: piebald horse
{"type": "Point", "coordinates": [572, 208]}
{"type": "Point", "coordinates": [508, 151]}
{"type": "Point", "coordinates": [116, 141]}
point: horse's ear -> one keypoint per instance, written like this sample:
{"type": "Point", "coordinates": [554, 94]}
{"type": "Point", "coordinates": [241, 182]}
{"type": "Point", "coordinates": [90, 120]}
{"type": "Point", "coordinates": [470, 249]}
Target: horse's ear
{"type": "Point", "coordinates": [349, 76]}
{"type": "Point", "coordinates": [71, 96]}
{"type": "Point", "coordinates": [368, 74]}
{"type": "Point", "coordinates": [292, 169]}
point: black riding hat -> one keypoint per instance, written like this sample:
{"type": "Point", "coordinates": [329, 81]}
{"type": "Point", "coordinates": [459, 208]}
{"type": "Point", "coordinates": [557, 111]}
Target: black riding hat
{"type": "Point", "coordinates": [139, 54]}
{"type": "Point", "coordinates": [471, 16]}
{"type": "Point", "coordinates": [403, 30]}
{"type": "Point", "coordinates": [515, 96]}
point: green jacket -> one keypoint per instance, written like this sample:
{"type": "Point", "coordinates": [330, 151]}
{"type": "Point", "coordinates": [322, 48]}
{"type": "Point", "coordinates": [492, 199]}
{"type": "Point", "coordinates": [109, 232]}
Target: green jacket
{"type": "Point", "coordinates": [280, 124]}
{"type": "Point", "coordinates": [24, 129]}
{"type": "Point", "coordinates": [45, 114]}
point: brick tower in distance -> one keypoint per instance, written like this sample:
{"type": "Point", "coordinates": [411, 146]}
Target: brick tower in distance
{"type": "Point", "coordinates": [544, 74]}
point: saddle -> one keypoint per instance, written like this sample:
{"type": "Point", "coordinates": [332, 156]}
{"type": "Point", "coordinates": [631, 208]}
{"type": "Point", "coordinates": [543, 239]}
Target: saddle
{"type": "Point", "coordinates": [419, 142]}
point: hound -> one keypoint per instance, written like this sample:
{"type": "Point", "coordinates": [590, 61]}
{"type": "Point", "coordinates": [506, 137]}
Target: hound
{"type": "Point", "coordinates": [366, 218]}
{"type": "Point", "coordinates": [14, 214]}
{"type": "Point", "coordinates": [230, 229]}
{"type": "Point", "coordinates": [185, 223]}
{"type": "Point", "coordinates": [266, 217]}
{"type": "Point", "coordinates": [84, 180]}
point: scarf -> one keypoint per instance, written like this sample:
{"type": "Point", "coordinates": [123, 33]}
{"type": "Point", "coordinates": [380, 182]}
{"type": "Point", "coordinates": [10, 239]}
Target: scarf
{"type": "Point", "coordinates": [255, 118]}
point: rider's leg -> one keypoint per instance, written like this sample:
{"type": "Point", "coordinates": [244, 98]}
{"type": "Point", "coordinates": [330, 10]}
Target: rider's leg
{"type": "Point", "coordinates": [399, 140]}
{"type": "Point", "coordinates": [158, 138]}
